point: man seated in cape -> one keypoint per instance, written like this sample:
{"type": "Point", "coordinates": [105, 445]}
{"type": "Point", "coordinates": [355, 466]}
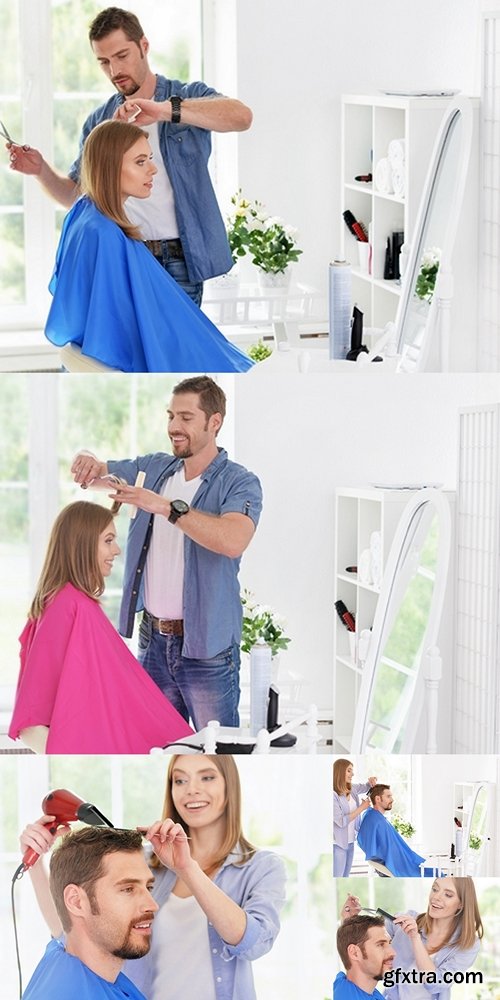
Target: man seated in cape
{"type": "Point", "coordinates": [367, 954]}
{"type": "Point", "coordinates": [381, 842]}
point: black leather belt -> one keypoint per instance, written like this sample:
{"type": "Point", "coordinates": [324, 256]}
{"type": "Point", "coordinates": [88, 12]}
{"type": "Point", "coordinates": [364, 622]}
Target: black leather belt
{"type": "Point", "coordinates": [165, 626]}
{"type": "Point", "coordinates": [173, 247]}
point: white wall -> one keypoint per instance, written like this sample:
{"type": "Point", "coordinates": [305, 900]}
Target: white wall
{"type": "Point", "coordinates": [306, 435]}
{"type": "Point", "coordinates": [294, 62]}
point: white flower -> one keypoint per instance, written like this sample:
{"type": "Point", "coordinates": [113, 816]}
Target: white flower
{"type": "Point", "coordinates": [273, 220]}
{"type": "Point", "coordinates": [290, 231]}
{"type": "Point", "coordinates": [431, 257]}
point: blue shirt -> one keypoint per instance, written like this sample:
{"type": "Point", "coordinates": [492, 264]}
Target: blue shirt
{"type": "Point", "coordinates": [258, 886]}
{"type": "Point", "coordinates": [343, 989]}
{"type": "Point", "coordinates": [185, 150]}
{"type": "Point", "coordinates": [64, 977]}
{"type": "Point", "coordinates": [450, 958]}
{"type": "Point", "coordinates": [212, 609]}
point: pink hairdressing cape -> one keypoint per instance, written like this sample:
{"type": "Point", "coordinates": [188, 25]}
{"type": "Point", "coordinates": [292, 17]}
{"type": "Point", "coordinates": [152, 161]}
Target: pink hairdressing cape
{"type": "Point", "coordinates": [80, 679]}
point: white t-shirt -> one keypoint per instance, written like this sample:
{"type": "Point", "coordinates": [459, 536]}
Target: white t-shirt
{"type": "Point", "coordinates": [180, 951]}
{"type": "Point", "coordinates": [351, 827]}
{"type": "Point", "coordinates": [155, 215]}
{"type": "Point", "coordinates": [164, 569]}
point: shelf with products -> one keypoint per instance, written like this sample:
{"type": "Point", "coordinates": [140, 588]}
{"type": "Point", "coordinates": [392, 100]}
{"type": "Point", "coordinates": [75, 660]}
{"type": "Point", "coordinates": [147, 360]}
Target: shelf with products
{"type": "Point", "coordinates": [369, 125]}
{"type": "Point", "coordinates": [365, 523]}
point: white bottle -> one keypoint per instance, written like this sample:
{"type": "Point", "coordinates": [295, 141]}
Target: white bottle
{"type": "Point", "coordinates": [260, 682]}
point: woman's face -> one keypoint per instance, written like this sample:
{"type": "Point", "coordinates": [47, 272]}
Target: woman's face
{"type": "Point", "coordinates": [349, 771]}
{"type": "Point", "coordinates": [198, 791]}
{"type": "Point", "coordinates": [444, 900]}
{"type": "Point", "coordinates": [138, 170]}
{"type": "Point", "coordinates": [107, 549]}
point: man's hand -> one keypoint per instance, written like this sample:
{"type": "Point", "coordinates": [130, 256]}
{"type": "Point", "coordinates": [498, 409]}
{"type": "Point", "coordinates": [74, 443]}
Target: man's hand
{"type": "Point", "coordinates": [144, 499]}
{"type": "Point", "coordinates": [86, 466]}
{"type": "Point", "coordinates": [24, 159]}
{"type": "Point", "coordinates": [151, 111]}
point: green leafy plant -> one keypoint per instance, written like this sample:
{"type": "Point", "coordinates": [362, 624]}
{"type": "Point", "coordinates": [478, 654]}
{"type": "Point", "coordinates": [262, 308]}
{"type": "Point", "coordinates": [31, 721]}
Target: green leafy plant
{"type": "Point", "coordinates": [404, 828]}
{"type": "Point", "coordinates": [475, 842]}
{"type": "Point", "coordinates": [429, 268]}
{"type": "Point", "coordinates": [259, 351]}
{"type": "Point", "coordinates": [261, 622]}
{"type": "Point", "coordinates": [270, 243]}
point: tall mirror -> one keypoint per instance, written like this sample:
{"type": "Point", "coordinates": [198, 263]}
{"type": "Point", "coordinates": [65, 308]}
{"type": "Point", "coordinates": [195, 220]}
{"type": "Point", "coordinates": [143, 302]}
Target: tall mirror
{"type": "Point", "coordinates": [417, 317]}
{"type": "Point", "coordinates": [477, 831]}
{"type": "Point", "coordinates": [405, 627]}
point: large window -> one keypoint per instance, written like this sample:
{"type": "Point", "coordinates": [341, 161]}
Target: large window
{"type": "Point", "coordinates": [45, 419]}
{"type": "Point", "coordinates": [49, 82]}
{"type": "Point", "coordinates": [286, 809]}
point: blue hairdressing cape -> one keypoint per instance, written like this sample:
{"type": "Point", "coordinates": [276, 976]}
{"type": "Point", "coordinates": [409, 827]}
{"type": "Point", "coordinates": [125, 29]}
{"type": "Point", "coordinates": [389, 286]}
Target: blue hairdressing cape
{"type": "Point", "coordinates": [113, 299]}
{"type": "Point", "coordinates": [381, 842]}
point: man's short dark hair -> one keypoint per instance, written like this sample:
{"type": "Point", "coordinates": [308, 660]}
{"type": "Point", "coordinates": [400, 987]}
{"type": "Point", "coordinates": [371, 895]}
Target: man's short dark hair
{"type": "Point", "coordinates": [115, 19]}
{"type": "Point", "coordinates": [212, 398]}
{"type": "Point", "coordinates": [377, 790]}
{"type": "Point", "coordinates": [355, 931]}
{"type": "Point", "coordinates": [79, 860]}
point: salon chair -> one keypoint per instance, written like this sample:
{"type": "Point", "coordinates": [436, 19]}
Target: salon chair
{"type": "Point", "coordinates": [74, 361]}
{"type": "Point", "coordinates": [380, 869]}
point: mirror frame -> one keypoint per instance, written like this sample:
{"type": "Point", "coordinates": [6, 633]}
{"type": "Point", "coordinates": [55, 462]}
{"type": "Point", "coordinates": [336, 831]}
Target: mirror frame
{"type": "Point", "coordinates": [387, 597]}
{"type": "Point", "coordinates": [459, 106]}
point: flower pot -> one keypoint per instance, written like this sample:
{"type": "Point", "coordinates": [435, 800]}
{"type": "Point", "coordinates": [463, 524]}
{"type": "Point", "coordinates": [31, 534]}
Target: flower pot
{"type": "Point", "coordinates": [274, 279]}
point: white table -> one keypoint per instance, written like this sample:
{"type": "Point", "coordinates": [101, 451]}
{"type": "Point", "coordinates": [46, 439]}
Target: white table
{"type": "Point", "coordinates": [280, 311]}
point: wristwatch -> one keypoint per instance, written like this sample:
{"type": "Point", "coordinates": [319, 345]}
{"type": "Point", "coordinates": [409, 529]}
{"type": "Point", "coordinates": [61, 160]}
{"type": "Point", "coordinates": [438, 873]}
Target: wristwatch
{"type": "Point", "coordinates": [177, 509]}
{"type": "Point", "coordinates": [176, 102]}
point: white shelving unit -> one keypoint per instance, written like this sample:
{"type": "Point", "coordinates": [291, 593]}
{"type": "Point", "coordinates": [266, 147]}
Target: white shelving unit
{"type": "Point", "coordinates": [358, 514]}
{"type": "Point", "coordinates": [369, 123]}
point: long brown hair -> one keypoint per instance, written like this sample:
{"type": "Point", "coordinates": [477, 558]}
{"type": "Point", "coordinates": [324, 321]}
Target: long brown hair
{"type": "Point", "coordinates": [71, 555]}
{"type": "Point", "coordinates": [340, 785]}
{"type": "Point", "coordinates": [468, 919]}
{"type": "Point", "coordinates": [233, 834]}
{"type": "Point", "coordinates": [101, 169]}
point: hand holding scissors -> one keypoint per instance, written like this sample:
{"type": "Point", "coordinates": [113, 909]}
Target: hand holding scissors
{"type": "Point", "coordinates": [22, 157]}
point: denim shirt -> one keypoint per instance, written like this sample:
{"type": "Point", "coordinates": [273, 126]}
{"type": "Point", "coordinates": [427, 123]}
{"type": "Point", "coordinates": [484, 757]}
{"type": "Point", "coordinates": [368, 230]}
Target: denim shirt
{"type": "Point", "coordinates": [185, 150]}
{"type": "Point", "coordinates": [212, 609]}
{"type": "Point", "coordinates": [341, 809]}
{"type": "Point", "coordinates": [449, 958]}
{"type": "Point", "coordinates": [259, 888]}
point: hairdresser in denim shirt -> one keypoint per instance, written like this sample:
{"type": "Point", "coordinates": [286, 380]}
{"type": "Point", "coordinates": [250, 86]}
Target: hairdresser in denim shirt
{"type": "Point", "coordinates": [181, 222]}
{"type": "Point", "coordinates": [186, 555]}
{"type": "Point", "coordinates": [347, 813]}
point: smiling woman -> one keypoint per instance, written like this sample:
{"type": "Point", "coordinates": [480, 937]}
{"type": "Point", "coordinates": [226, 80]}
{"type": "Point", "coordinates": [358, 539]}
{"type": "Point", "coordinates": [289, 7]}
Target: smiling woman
{"type": "Point", "coordinates": [80, 690]}
{"type": "Point", "coordinates": [111, 298]}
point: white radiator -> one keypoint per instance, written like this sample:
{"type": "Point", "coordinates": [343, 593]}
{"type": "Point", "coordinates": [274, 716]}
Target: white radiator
{"type": "Point", "coordinates": [489, 250]}
{"type": "Point", "coordinates": [477, 687]}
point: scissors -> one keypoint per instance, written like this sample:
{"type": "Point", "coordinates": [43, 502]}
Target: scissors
{"type": "Point", "coordinates": [6, 135]}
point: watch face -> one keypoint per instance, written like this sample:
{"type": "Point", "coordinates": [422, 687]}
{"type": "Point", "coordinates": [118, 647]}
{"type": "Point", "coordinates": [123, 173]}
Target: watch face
{"type": "Point", "coordinates": [179, 506]}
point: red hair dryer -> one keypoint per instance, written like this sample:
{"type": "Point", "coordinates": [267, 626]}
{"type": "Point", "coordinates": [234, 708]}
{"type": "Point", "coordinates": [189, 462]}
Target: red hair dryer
{"type": "Point", "coordinates": [67, 808]}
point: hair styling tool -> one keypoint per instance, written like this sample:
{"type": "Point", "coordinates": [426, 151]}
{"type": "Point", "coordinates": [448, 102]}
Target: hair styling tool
{"type": "Point", "coordinates": [377, 913]}
{"type": "Point", "coordinates": [345, 616]}
{"type": "Point", "coordinates": [356, 228]}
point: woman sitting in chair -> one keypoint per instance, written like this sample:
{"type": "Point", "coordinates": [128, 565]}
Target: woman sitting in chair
{"type": "Point", "coordinates": [110, 296]}
{"type": "Point", "coordinates": [80, 689]}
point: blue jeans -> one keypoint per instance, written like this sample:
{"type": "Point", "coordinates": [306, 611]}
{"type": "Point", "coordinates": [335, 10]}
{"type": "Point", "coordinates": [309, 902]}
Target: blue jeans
{"type": "Point", "coordinates": [178, 271]}
{"type": "Point", "coordinates": [200, 690]}
{"type": "Point", "coordinates": [342, 860]}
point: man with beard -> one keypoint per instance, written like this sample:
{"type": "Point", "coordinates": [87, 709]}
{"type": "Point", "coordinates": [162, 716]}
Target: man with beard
{"type": "Point", "coordinates": [100, 884]}
{"type": "Point", "coordinates": [180, 222]}
{"type": "Point", "coordinates": [380, 841]}
{"type": "Point", "coordinates": [197, 513]}
{"type": "Point", "coordinates": [366, 952]}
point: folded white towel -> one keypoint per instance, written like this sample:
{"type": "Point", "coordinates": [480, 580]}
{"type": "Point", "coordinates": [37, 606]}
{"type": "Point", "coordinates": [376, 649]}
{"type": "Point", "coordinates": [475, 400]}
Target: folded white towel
{"type": "Point", "coordinates": [382, 176]}
{"type": "Point", "coordinates": [396, 152]}
{"type": "Point", "coordinates": [398, 181]}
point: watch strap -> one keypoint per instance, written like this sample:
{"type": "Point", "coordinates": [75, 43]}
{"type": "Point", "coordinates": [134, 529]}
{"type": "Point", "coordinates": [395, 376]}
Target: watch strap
{"type": "Point", "coordinates": [176, 102]}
